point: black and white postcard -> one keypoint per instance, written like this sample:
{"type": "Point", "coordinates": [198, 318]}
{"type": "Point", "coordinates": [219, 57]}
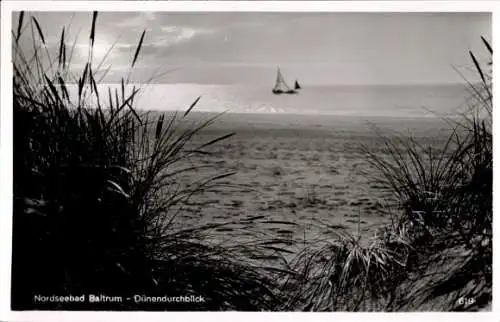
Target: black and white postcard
{"type": "Point", "coordinates": [239, 158]}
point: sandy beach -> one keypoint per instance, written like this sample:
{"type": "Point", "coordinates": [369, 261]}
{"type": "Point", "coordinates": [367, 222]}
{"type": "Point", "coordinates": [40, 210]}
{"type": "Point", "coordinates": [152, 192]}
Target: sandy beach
{"type": "Point", "coordinates": [307, 175]}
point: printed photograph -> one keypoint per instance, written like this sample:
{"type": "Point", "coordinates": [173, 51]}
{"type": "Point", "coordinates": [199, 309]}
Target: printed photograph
{"type": "Point", "coordinates": [252, 161]}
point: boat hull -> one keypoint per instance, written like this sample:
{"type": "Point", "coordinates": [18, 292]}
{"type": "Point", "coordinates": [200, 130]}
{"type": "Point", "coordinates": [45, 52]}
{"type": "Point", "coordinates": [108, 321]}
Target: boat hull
{"type": "Point", "coordinates": [278, 92]}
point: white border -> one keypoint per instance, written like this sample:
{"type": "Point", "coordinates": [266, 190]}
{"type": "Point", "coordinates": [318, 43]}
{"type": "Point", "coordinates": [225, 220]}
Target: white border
{"type": "Point", "coordinates": [186, 6]}
{"type": "Point", "coordinates": [257, 6]}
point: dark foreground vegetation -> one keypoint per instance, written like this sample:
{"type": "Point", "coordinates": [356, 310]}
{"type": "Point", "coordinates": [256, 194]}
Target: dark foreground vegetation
{"type": "Point", "coordinates": [96, 193]}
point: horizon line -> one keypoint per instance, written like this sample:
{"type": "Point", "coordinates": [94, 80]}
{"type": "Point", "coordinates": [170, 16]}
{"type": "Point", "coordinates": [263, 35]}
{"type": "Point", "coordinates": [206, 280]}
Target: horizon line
{"type": "Point", "coordinates": [404, 84]}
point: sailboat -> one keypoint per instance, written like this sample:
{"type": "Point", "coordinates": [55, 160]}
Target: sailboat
{"type": "Point", "coordinates": [281, 87]}
{"type": "Point", "coordinates": [297, 86]}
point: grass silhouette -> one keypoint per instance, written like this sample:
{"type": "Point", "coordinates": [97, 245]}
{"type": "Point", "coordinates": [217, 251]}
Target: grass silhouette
{"type": "Point", "coordinates": [95, 194]}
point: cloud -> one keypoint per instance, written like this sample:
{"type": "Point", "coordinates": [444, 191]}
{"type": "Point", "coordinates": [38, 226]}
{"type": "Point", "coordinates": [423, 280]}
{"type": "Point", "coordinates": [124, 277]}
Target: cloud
{"type": "Point", "coordinates": [157, 41]}
{"type": "Point", "coordinates": [140, 19]}
{"type": "Point", "coordinates": [178, 34]}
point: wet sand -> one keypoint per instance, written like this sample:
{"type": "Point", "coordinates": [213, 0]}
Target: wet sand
{"type": "Point", "coordinates": [309, 176]}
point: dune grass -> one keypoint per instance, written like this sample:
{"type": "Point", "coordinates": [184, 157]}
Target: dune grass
{"type": "Point", "coordinates": [457, 220]}
{"type": "Point", "coordinates": [437, 253]}
{"type": "Point", "coordinates": [96, 193]}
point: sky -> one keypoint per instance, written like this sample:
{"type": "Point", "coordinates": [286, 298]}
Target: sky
{"type": "Point", "coordinates": [246, 48]}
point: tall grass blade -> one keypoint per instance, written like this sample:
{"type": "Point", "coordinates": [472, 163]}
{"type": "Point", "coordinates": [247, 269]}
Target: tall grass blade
{"type": "Point", "coordinates": [61, 50]}
{"type": "Point", "coordinates": [123, 89]}
{"type": "Point", "coordinates": [96, 91]}
{"type": "Point", "coordinates": [105, 57]}
{"type": "Point", "coordinates": [124, 104]}
{"type": "Point", "coordinates": [85, 72]}
{"type": "Point", "coordinates": [72, 50]}
{"type": "Point", "coordinates": [138, 48]}
{"type": "Point", "coordinates": [64, 89]}
{"type": "Point", "coordinates": [192, 106]}
{"type": "Point", "coordinates": [20, 25]}
{"type": "Point", "coordinates": [110, 97]}
{"type": "Point", "coordinates": [81, 82]}
{"type": "Point", "coordinates": [211, 142]}
{"type": "Point", "coordinates": [92, 29]}
{"type": "Point", "coordinates": [54, 91]}
{"type": "Point", "coordinates": [130, 104]}
{"type": "Point", "coordinates": [487, 44]}
{"type": "Point", "coordinates": [117, 188]}
{"type": "Point", "coordinates": [479, 70]}
{"type": "Point", "coordinates": [159, 126]}
{"type": "Point", "coordinates": [40, 33]}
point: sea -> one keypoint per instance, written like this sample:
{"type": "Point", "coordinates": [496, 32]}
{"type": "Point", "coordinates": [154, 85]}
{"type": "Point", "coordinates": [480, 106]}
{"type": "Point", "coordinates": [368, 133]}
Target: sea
{"type": "Point", "coordinates": [403, 101]}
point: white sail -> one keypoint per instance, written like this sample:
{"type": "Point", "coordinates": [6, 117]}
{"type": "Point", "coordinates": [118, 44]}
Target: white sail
{"type": "Point", "coordinates": [280, 83]}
